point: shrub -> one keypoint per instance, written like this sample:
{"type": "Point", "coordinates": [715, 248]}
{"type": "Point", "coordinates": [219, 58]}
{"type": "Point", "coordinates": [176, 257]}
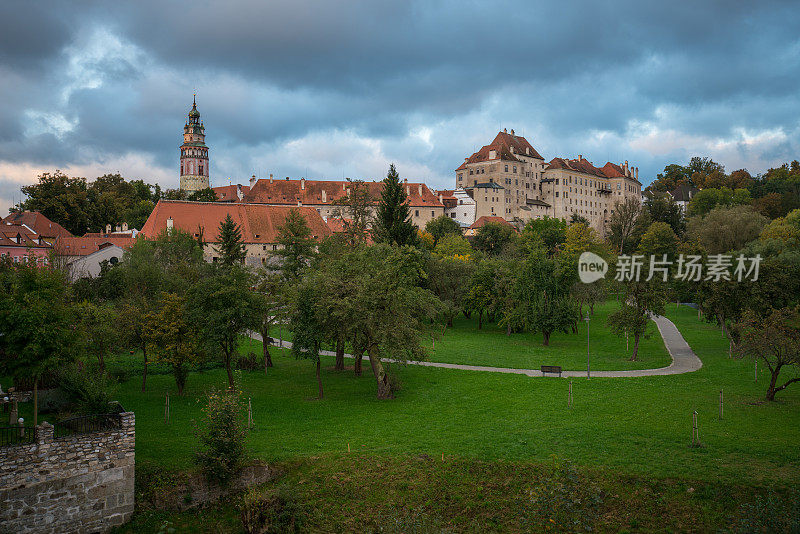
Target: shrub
{"type": "Point", "coordinates": [86, 391]}
{"type": "Point", "coordinates": [222, 437]}
{"type": "Point", "coordinates": [270, 511]}
{"type": "Point", "coordinates": [249, 362]}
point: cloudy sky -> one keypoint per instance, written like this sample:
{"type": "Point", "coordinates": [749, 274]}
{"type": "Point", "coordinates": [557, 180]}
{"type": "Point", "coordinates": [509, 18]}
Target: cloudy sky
{"type": "Point", "coordinates": [332, 89]}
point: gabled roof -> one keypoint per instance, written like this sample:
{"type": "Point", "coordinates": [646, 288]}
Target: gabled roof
{"type": "Point", "coordinates": [12, 235]}
{"type": "Point", "coordinates": [83, 246]}
{"type": "Point", "coordinates": [327, 192]}
{"type": "Point", "coordinates": [259, 223]}
{"type": "Point", "coordinates": [581, 165]}
{"type": "Point", "coordinates": [505, 146]}
{"type": "Point", "coordinates": [486, 219]}
{"type": "Point", "coordinates": [230, 193]}
{"type": "Point", "coordinates": [38, 223]}
{"type": "Point", "coordinates": [683, 193]}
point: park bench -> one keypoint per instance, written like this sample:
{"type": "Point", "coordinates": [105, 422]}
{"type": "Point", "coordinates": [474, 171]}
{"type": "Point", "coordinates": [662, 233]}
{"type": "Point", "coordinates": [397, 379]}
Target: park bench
{"type": "Point", "coordinates": [550, 369]}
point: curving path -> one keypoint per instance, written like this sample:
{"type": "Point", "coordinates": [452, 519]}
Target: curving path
{"type": "Point", "coordinates": [684, 360]}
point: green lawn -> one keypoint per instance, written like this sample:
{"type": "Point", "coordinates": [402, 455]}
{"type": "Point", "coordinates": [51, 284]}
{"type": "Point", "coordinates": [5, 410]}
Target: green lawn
{"type": "Point", "coordinates": [490, 346]}
{"type": "Point", "coordinates": [638, 425]}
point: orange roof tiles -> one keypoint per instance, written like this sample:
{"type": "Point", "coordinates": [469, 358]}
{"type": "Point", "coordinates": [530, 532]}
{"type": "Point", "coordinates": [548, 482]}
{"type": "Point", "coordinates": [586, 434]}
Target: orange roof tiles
{"type": "Point", "coordinates": [38, 223]}
{"type": "Point", "coordinates": [485, 219]}
{"type": "Point", "coordinates": [83, 246]}
{"type": "Point", "coordinates": [316, 192]}
{"type": "Point", "coordinates": [506, 147]}
{"type": "Point", "coordinates": [259, 223]}
{"type": "Point", "coordinates": [230, 193]}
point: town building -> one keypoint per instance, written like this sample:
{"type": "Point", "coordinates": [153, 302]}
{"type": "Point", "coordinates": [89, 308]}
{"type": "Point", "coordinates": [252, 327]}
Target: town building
{"type": "Point", "coordinates": [683, 194]}
{"type": "Point", "coordinates": [508, 178]}
{"type": "Point", "coordinates": [37, 223]}
{"type": "Point", "coordinates": [259, 224]}
{"type": "Point", "coordinates": [84, 256]}
{"type": "Point", "coordinates": [326, 196]}
{"type": "Point", "coordinates": [18, 243]}
{"type": "Point", "coordinates": [195, 168]}
{"type": "Point", "coordinates": [458, 205]}
{"type": "Point", "coordinates": [483, 221]}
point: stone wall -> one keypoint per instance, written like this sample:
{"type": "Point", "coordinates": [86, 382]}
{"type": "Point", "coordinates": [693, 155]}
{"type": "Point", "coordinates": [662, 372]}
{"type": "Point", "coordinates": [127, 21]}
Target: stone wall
{"type": "Point", "coordinates": [79, 483]}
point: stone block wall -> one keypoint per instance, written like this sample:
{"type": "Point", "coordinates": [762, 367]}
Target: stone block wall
{"type": "Point", "coordinates": [78, 483]}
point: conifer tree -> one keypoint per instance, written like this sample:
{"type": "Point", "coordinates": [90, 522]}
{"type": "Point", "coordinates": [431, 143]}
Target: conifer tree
{"type": "Point", "coordinates": [393, 219]}
{"type": "Point", "coordinates": [230, 248]}
{"type": "Point", "coordinates": [298, 244]}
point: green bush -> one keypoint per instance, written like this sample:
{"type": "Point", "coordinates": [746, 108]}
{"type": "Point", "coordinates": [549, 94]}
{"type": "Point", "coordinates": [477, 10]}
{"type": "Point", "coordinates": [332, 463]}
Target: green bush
{"type": "Point", "coordinates": [249, 363]}
{"type": "Point", "coordinates": [222, 437]}
{"type": "Point", "coordinates": [87, 391]}
{"type": "Point", "coordinates": [270, 511]}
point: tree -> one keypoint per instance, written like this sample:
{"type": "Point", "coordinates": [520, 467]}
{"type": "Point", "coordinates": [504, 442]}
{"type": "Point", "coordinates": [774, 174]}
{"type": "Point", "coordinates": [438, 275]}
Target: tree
{"type": "Point", "coordinates": [222, 437]}
{"type": "Point", "coordinates": [542, 300]}
{"type": "Point", "coordinates": [393, 218]}
{"type": "Point", "coordinates": [578, 219]}
{"type": "Point", "coordinates": [99, 330]}
{"type": "Point", "coordinates": [663, 208]}
{"type": "Point", "coordinates": [203, 195]}
{"type": "Point", "coordinates": [170, 337]}
{"type": "Point", "coordinates": [493, 238]}
{"type": "Point", "coordinates": [442, 226]}
{"type": "Point", "coordinates": [447, 279]}
{"type": "Point", "coordinates": [223, 308]}
{"type": "Point", "coordinates": [308, 330]}
{"type": "Point", "coordinates": [230, 247]}
{"type": "Point", "coordinates": [39, 333]}
{"type": "Point", "coordinates": [298, 245]}
{"type": "Point", "coordinates": [726, 229]}
{"type": "Point", "coordinates": [453, 245]}
{"type": "Point", "coordinates": [785, 230]}
{"type": "Point", "coordinates": [775, 340]}
{"type": "Point", "coordinates": [673, 176]}
{"type": "Point", "coordinates": [269, 301]}
{"type": "Point", "coordinates": [131, 323]}
{"type": "Point", "coordinates": [479, 295]}
{"type": "Point", "coordinates": [550, 231]}
{"type": "Point", "coordinates": [626, 225]}
{"type": "Point", "coordinates": [355, 210]}
{"type": "Point", "coordinates": [59, 198]}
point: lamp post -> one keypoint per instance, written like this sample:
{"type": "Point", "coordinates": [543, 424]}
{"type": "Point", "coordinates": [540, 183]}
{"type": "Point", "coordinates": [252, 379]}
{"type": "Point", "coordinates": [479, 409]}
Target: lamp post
{"type": "Point", "coordinates": [588, 372]}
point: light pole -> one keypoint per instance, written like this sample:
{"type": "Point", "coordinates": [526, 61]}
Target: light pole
{"type": "Point", "coordinates": [588, 373]}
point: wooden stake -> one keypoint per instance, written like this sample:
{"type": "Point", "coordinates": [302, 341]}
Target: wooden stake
{"type": "Point", "coordinates": [720, 404]}
{"type": "Point", "coordinates": [166, 408]}
{"type": "Point", "coordinates": [249, 413]}
{"type": "Point", "coordinates": [348, 447]}
{"type": "Point", "coordinates": [756, 373]}
{"type": "Point", "coordinates": [443, 457]}
{"type": "Point", "coordinates": [695, 431]}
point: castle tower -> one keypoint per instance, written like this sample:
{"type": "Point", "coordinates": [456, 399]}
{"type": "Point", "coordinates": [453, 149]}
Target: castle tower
{"type": "Point", "coordinates": [194, 154]}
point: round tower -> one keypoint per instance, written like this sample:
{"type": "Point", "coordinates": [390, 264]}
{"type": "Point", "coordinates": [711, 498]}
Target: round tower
{"type": "Point", "coordinates": [194, 153]}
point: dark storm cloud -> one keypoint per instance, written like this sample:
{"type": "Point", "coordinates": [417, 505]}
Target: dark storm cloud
{"type": "Point", "coordinates": [116, 78]}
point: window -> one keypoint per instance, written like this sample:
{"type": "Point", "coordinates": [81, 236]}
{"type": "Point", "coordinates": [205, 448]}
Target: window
{"type": "Point", "coordinates": [460, 175]}
{"type": "Point", "coordinates": [506, 168]}
{"type": "Point", "coordinates": [515, 169]}
{"type": "Point", "coordinates": [556, 181]}
{"type": "Point", "coordinates": [114, 260]}
{"type": "Point", "coordinates": [274, 247]}
{"type": "Point", "coordinates": [433, 214]}
{"type": "Point", "coordinates": [416, 213]}
{"type": "Point", "coordinates": [471, 171]}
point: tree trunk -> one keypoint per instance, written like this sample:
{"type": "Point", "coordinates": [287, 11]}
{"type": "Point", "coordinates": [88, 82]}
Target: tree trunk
{"type": "Point", "coordinates": [144, 374]}
{"type": "Point", "coordinates": [229, 371]}
{"type": "Point", "coordinates": [508, 330]}
{"type": "Point", "coordinates": [339, 355]}
{"type": "Point", "coordinates": [265, 348]}
{"type": "Point", "coordinates": [480, 317]}
{"type": "Point", "coordinates": [319, 379]}
{"type": "Point", "coordinates": [450, 321]}
{"type": "Point", "coordinates": [635, 347]}
{"type": "Point", "coordinates": [773, 379]}
{"type": "Point", "coordinates": [591, 308]}
{"type": "Point", "coordinates": [102, 362]}
{"type": "Point", "coordinates": [36, 400]}
{"type": "Point", "coordinates": [546, 339]}
{"type": "Point", "coordinates": [358, 357]}
{"type": "Point", "coordinates": [382, 379]}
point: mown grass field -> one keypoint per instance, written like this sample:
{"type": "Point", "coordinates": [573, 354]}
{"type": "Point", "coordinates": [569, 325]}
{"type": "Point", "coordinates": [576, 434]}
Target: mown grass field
{"type": "Point", "coordinates": [490, 346]}
{"type": "Point", "coordinates": [638, 426]}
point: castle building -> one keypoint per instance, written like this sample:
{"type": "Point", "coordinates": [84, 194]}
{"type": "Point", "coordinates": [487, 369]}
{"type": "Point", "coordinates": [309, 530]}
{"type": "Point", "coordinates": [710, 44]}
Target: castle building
{"type": "Point", "coordinates": [508, 178]}
{"type": "Point", "coordinates": [194, 154]}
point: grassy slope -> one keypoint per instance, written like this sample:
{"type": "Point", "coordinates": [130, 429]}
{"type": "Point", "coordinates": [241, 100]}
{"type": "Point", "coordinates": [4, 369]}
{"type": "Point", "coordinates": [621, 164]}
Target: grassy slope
{"type": "Point", "coordinates": [639, 426]}
{"type": "Point", "coordinates": [465, 344]}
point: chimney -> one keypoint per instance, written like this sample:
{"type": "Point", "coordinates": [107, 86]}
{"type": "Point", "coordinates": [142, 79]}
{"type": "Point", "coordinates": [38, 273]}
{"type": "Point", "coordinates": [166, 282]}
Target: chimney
{"type": "Point", "coordinates": [440, 198]}
{"type": "Point", "coordinates": [169, 224]}
{"type": "Point", "coordinates": [505, 131]}
{"type": "Point", "coordinates": [580, 157]}
{"type": "Point", "coordinates": [324, 196]}
{"type": "Point", "coordinates": [344, 186]}
{"type": "Point", "coordinates": [302, 183]}
{"type": "Point", "coordinates": [637, 173]}
{"type": "Point", "coordinates": [408, 191]}
{"type": "Point", "coordinates": [512, 131]}
{"type": "Point", "coordinates": [117, 228]}
{"type": "Point", "coordinates": [252, 180]}
{"type": "Point", "coordinates": [108, 228]}
{"type": "Point", "coordinates": [124, 227]}
{"type": "Point", "coordinates": [420, 189]}
{"type": "Point", "coordinates": [287, 178]}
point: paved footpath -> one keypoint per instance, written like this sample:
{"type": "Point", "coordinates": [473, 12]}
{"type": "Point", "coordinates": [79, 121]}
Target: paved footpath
{"type": "Point", "coordinates": [684, 360]}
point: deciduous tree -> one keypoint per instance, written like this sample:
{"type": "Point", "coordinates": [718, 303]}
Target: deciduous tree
{"type": "Point", "coordinates": [171, 338]}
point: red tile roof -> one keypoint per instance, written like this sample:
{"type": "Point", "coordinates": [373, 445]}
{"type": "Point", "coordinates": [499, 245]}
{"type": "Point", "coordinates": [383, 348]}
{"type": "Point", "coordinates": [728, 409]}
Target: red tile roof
{"type": "Point", "coordinates": [583, 165]}
{"type": "Point", "coordinates": [38, 223]}
{"type": "Point", "coordinates": [316, 192]}
{"type": "Point", "coordinates": [505, 145]}
{"type": "Point", "coordinates": [259, 223]}
{"type": "Point", "coordinates": [485, 219]}
{"type": "Point", "coordinates": [83, 246]}
{"type": "Point", "coordinates": [230, 193]}
{"type": "Point", "coordinates": [12, 235]}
